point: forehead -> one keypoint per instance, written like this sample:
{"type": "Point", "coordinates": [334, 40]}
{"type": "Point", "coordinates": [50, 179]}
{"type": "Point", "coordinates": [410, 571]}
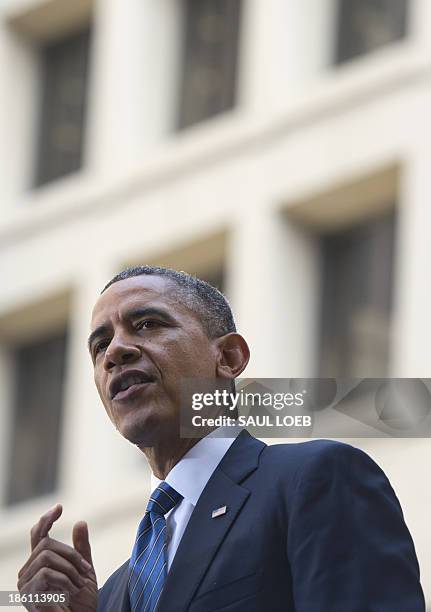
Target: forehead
{"type": "Point", "coordinates": [137, 291]}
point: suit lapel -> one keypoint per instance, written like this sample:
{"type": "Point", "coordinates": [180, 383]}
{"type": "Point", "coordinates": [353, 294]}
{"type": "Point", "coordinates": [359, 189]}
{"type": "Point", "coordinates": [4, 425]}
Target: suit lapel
{"type": "Point", "coordinates": [119, 596]}
{"type": "Point", "coordinates": [204, 534]}
{"type": "Point", "coordinates": [123, 594]}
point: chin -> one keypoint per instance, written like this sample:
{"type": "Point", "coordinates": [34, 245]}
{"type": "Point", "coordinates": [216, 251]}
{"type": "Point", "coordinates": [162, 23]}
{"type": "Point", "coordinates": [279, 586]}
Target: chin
{"type": "Point", "coordinates": [141, 432]}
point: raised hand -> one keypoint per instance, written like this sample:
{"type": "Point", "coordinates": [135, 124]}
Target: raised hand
{"type": "Point", "coordinates": [54, 566]}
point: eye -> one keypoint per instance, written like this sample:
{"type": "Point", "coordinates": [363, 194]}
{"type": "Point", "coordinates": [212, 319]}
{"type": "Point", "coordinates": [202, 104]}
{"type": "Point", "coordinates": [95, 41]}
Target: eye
{"type": "Point", "coordinates": [147, 324]}
{"type": "Point", "coordinates": [100, 346]}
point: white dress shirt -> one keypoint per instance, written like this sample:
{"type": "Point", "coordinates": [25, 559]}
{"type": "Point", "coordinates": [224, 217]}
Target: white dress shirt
{"type": "Point", "coordinates": [189, 477]}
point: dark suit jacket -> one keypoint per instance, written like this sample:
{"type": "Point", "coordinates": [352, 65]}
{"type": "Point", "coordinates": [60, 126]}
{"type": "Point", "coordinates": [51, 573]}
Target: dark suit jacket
{"type": "Point", "coordinates": [309, 527]}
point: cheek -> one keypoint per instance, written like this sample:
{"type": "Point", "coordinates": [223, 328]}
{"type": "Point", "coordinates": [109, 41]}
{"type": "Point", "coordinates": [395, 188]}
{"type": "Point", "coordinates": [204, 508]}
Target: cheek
{"type": "Point", "coordinates": [188, 358]}
{"type": "Point", "coordinates": [100, 385]}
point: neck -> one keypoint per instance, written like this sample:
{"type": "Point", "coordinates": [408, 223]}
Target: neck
{"type": "Point", "coordinates": [165, 454]}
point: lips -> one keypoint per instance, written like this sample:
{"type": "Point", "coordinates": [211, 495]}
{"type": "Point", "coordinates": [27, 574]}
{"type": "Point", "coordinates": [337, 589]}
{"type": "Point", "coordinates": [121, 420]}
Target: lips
{"type": "Point", "coordinates": [126, 384]}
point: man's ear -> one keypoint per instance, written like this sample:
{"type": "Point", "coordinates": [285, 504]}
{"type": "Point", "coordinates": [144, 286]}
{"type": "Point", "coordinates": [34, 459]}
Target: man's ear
{"type": "Point", "coordinates": [233, 355]}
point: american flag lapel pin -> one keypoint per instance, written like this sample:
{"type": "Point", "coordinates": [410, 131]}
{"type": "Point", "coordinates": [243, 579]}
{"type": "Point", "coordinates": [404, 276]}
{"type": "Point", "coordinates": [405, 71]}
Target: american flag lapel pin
{"type": "Point", "coordinates": [219, 511]}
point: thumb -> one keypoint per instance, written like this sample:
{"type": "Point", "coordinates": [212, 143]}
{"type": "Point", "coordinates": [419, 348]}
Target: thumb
{"type": "Point", "coordinates": [81, 541]}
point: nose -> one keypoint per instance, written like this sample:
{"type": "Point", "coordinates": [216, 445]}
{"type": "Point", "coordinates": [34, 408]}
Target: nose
{"type": "Point", "coordinates": [120, 352]}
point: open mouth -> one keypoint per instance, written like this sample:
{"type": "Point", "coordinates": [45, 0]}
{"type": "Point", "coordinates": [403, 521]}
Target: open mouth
{"type": "Point", "coordinates": [128, 384]}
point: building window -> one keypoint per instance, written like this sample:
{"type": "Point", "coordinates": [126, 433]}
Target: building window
{"type": "Point", "coordinates": [63, 107]}
{"type": "Point", "coordinates": [357, 299]}
{"type": "Point", "coordinates": [210, 59]}
{"type": "Point", "coordinates": [39, 369]}
{"type": "Point", "coordinates": [365, 25]}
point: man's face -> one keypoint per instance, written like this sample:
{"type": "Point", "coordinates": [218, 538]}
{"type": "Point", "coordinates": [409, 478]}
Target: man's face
{"type": "Point", "coordinates": [143, 343]}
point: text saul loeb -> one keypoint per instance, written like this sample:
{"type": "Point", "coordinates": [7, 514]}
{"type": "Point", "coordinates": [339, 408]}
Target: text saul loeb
{"type": "Point", "coordinates": [254, 421]}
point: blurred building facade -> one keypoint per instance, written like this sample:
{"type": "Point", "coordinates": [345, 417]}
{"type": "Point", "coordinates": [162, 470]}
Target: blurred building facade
{"type": "Point", "coordinates": [278, 149]}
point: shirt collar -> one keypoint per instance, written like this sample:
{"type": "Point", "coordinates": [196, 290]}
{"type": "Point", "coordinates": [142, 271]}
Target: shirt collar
{"type": "Point", "coordinates": [191, 474]}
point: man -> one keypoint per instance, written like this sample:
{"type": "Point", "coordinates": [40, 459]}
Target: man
{"type": "Point", "coordinates": [232, 524]}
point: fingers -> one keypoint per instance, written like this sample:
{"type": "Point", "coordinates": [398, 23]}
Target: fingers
{"type": "Point", "coordinates": [45, 548]}
{"type": "Point", "coordinates": [41, 529]}
{"type": "Point", "coordinates": [56, 566]}
{"type": "Point", "coordinates": [52, 560]}
{"type": "Point", "coordinates": [48, 579]}
{"type": "Point", "coordinates": [81, 541]}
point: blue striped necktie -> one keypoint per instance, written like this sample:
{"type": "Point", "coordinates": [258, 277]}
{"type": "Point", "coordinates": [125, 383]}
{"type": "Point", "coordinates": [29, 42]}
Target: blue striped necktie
{"type": "Point", "coordinates": [148, 565]}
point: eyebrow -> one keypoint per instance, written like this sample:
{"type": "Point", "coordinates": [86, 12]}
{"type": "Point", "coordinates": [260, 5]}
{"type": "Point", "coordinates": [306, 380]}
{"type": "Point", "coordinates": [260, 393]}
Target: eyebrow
{"type": "Point", "coordinates": [134, 313]}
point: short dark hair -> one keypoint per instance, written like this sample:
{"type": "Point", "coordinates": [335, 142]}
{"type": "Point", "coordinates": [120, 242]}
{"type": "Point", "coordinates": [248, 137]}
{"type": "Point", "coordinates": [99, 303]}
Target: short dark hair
{"type": "Point", "coordinates": [207, 302]}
